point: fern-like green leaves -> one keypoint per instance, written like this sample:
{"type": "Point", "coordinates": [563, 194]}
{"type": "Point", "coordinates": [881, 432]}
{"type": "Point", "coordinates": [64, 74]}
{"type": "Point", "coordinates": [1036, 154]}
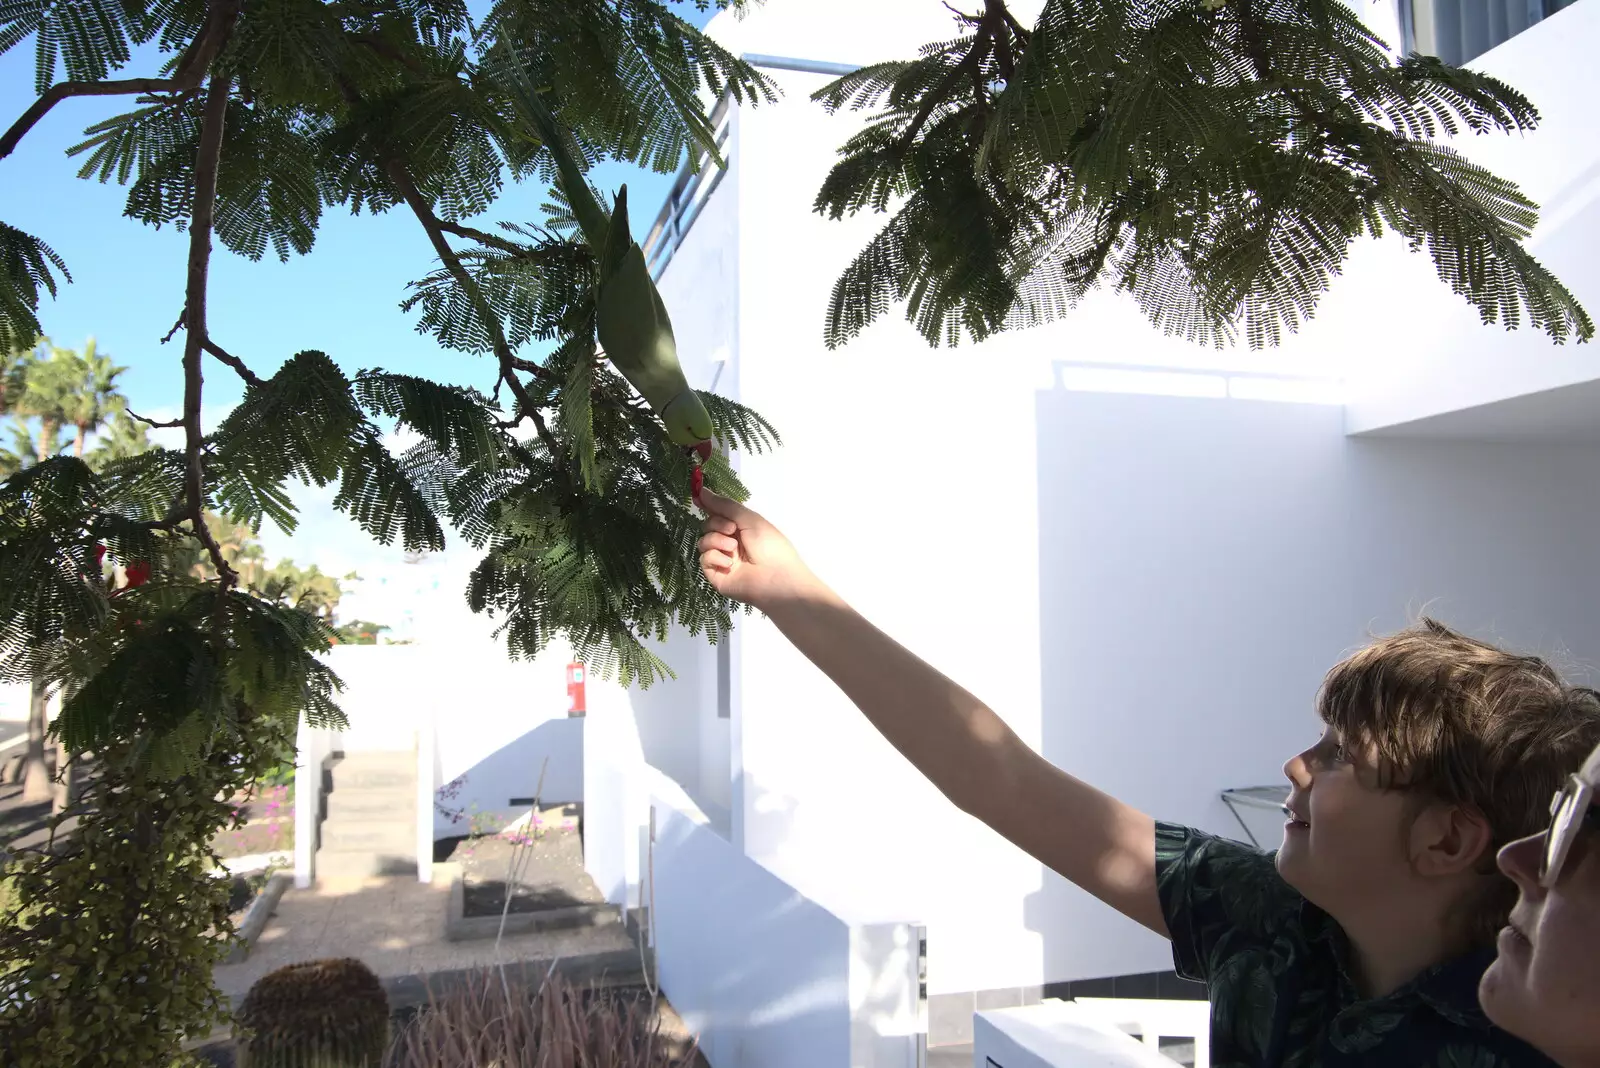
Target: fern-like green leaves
{"type": "Point", "coordinates": [27, 265]}
{"type": "Point", "coordinates": [586, 523]}
{"type": "Point", "coordinates": [1217, 165]}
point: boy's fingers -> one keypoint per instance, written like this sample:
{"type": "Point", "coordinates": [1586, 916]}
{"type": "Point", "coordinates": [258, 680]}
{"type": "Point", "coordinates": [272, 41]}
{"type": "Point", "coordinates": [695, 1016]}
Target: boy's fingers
{"type": "Point", "coordinates": [715, 560]}
{"type": "Point", "coordinates": [721, 524]}
{"type": "Point", "coordinates": [720, 542]}
{"type": "Point", "coordinates": [718, 505]}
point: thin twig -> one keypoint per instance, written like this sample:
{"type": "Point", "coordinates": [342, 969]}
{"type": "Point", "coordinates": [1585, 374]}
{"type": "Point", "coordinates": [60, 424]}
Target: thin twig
{"type": "Point", "coordinates": [232, 361]}
{"type": "Point", "coordinates": [152, 423]}
{"type": "Point", "coordinates": [483, 237]}
{"type": "Point", "coordinates": [219, 23]}
{"type": "Point", "coordinates": [183, 320]}
{"type": "Point", "coordinates": [502, 349]}
{"type": "Point", "coordinates": [207, 159]}
{"type": "Point", "coordinates": [1011, 20]}
{"type": "Point", "coordinates": [971, 61]}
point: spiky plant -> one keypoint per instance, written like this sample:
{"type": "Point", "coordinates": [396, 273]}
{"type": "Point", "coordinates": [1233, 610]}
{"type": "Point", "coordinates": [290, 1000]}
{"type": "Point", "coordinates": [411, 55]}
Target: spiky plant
{"type": "Point", "coordinates": [329, 1013]}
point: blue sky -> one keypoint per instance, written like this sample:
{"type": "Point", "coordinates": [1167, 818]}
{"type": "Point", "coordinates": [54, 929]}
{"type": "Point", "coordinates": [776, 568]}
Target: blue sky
{"type": "Point", "coordinates": [128, 278]}
{"type": "Point", "coordinates": [343, 299]}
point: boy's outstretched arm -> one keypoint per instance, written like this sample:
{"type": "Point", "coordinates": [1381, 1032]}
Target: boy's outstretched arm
{"type": "Point", "coordinates": [963, 748]}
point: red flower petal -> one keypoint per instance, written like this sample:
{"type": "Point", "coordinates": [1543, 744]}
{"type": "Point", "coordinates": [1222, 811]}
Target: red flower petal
{"type": "Point", "coordinates": [99, 554]}
{"type": "Point", "coordinates": [138, 573]}
{"type": "Point", "coordinates": [696, 482]}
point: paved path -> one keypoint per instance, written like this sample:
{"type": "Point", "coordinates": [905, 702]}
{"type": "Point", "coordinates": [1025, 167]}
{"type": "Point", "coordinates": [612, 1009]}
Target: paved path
{"type": "Point", "coordinates": [395, 925]}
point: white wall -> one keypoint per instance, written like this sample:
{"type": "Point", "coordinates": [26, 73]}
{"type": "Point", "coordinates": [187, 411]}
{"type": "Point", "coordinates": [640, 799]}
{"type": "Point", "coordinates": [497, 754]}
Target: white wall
{"type": "Point", "coordinates": [496, 720]}
{"type": "Point", "coordinates": [678, 723]}
{"type": "Point", "coordinates": [765, 977]}
{"type": "Point", "coordinates": [1148, 588]}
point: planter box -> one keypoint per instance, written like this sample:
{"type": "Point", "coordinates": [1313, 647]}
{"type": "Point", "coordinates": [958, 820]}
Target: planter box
{"type": "Point", "coordinates": [459, 927]}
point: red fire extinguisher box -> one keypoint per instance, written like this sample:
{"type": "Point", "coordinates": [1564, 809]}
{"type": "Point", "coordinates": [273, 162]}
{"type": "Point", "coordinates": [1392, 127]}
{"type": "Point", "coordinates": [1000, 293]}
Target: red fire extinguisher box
{"type": "Point", "coordinates": [575, 697]}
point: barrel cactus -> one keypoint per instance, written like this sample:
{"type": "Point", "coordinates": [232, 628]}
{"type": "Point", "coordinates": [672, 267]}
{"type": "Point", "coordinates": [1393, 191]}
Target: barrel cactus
{"type": "Point", "coordinates": [315, 1014]}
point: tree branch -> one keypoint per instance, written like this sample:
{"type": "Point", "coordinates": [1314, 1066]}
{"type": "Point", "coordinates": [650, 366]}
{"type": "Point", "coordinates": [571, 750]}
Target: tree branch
{"type": "Point", "coordinates": [234, 362]}
{"type": "Point", "coordinates": [153, 424]}
{"type": "Point", "coordinates": [1017, 28]}
{"type": "Point", "coordinates": [61, 90]}
{"type": "Point", "coordinates": [218, 24]}
{"type": "Point", "coordinates": [972, 61]}
{"type": "Point", "coordinates": [502, 349]}
{"type": "Point", "coordinates": [482, 237]}
{"type": "Point", "coordinates": [207, 159]}
{"type": "Point", "coordinates": [183, 319]}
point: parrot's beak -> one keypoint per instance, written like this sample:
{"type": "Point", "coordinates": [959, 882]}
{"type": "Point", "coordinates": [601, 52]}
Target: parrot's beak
{"type": "Point", "coordinates": [703, 450]}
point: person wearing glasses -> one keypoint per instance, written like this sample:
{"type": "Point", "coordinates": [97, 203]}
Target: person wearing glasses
{"type": "Point", "coordinates": [1544, 986]}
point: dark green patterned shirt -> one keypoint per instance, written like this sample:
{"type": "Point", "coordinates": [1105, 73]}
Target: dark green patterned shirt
{"type": "Point", "coordinates": [1273, 964]}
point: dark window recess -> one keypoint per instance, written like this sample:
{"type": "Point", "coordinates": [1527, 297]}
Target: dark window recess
{"type": "Point", "coordinates": [1459, 31]}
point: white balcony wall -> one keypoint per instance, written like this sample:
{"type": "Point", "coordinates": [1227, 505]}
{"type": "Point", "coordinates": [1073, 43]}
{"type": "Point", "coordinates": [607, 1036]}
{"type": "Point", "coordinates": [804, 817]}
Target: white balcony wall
{"type": "Point", "coordinates": [1144, 554]}
{"type": "Point", "coordinates": [1423, 364]}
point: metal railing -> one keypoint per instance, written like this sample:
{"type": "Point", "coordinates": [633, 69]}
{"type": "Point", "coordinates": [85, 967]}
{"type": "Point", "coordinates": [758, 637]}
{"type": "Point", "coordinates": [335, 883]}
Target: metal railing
{"type": "Point", "coordinates": [696, 181]}
{"type": "Point", "coordinates": [694, 185]}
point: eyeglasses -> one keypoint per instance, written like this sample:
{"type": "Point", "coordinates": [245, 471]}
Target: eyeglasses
{"type": "Point", "coordinates": [1571, 811]}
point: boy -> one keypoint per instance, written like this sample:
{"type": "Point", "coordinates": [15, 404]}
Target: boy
{"type": "Point", "coordinates": [1363, 940]}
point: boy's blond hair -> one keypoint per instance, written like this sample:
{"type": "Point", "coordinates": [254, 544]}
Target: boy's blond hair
{"type": "Point", "coordinates": [1458, 720]}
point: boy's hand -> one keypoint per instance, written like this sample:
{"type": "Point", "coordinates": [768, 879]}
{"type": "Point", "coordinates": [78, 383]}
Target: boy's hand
{"type": "Point", "coordinates": [747, 558]}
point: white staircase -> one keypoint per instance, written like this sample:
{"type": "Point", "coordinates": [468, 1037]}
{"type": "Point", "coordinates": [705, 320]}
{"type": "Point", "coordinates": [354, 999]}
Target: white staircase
{"type": "Point", "coordinates": [371, 822]}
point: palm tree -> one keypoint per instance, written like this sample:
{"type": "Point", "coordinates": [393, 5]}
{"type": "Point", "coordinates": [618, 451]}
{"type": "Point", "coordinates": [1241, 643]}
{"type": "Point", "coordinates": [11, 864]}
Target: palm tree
{"type": "Point", "coordinates": [48, 394]}
{"type": "Point", "coordinates": [93, 397]}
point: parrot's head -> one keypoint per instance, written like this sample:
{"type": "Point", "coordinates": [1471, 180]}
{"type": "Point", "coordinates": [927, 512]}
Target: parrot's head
{"type": "Point", "coordinates": [688, 423]}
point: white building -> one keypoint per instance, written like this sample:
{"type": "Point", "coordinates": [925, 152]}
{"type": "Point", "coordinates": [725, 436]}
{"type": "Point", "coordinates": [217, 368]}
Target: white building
{"type": "Point", "coordinates": [1142, 553]}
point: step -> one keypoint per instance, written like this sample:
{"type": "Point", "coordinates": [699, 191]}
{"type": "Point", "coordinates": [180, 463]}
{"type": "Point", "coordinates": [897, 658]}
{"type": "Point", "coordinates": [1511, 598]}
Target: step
{"type": "Point", "coordinates": [370, 836]}
{"type": "Point", "coordinates": [340, 865]}
{"type": "Point", "coordinates": [372, 803]}
{"type": "Point", "coordinates": [373, 777]}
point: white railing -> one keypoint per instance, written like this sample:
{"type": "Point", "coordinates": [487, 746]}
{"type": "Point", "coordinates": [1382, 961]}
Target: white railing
{"type": "Point", "coordinates": [313, 746]}
{"type": "Point", "coordinates": [696, 181]}
{"type": "Point", "coordinates": [1064, 1034]}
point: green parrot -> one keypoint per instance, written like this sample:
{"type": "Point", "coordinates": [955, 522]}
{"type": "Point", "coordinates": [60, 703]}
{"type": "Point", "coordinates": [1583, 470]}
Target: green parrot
{"type": "Point", "coordinates": [634, 329]}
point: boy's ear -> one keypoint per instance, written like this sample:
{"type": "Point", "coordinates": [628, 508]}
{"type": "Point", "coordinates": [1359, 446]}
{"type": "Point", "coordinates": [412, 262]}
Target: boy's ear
{"type": "Point", "coordinates": [1449, 840]}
